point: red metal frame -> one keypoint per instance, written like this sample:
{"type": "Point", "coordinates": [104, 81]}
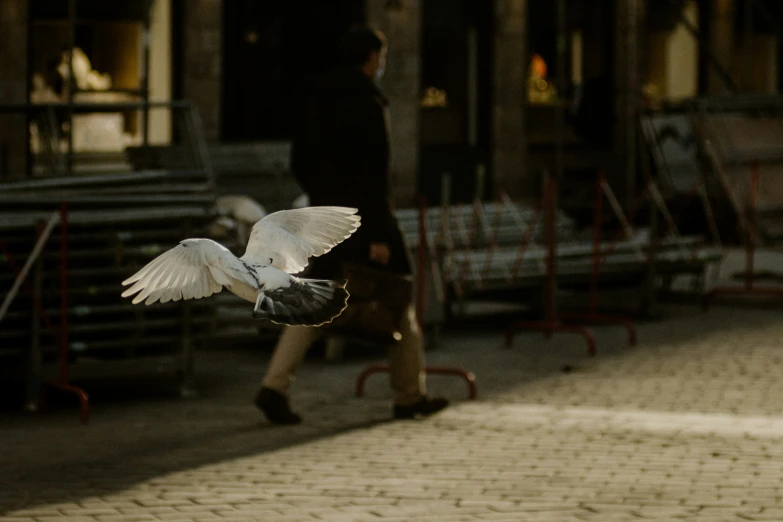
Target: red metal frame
{"type": "Point", "coordinates": [62, 334]}
{"type": "Point", "coordinates": [592, 316]}
{"type": "Point", "coordinates": [421, 262]}
{"type": "Point", "coordinates": [471, 234]}
{"type": "Point", "coordinates": [62, 383]}
{"type": "Point", "coordinates": [552, 323]}
{"type": "Point", "coordinates": [421, 300]}
{"type": "Point", "coordinates": [526, 238]}
{"type": "Point", "coordinates": [671, 220]}
{"type": "Point", "coordinates": [492, 242]}
{"type": "Point", "coordinates": [27, 288]}
{"type": "Point", "coordinates": [749, 289]}
{"type": "Point", "coordinates": [468, 377]}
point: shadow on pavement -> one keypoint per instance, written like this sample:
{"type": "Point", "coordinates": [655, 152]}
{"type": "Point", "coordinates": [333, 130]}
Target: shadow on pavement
{"type": "Point", "coordinates": [139, 431]}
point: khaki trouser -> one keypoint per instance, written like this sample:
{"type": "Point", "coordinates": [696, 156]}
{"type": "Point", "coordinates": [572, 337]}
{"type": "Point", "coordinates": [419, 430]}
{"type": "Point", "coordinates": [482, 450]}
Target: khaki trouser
{"type": "Point", "coordinates": [406, 359]}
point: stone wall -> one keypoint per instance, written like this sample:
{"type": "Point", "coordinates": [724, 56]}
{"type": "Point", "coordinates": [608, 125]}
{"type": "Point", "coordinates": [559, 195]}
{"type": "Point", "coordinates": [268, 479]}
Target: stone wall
{"type": "Point", "coordinates": [202, 77]}
{"type": "Point", "coordinates": [202, 61]}
{"type": "Point", "coordinates": [13, 84]}
{"type": "Point", "coordinates": [509, 147]}
{"type": "Point", "coordinates": [401, 23]}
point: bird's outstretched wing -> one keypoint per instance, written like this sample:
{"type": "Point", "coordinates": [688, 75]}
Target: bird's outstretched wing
{"type": "Point", "coordinates": [288, 238]}
{"type": "Point", "coordinates": [193, 269]}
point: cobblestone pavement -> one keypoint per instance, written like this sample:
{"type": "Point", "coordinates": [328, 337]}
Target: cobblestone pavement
{"type": "Point", "coordinates": [685, 426]}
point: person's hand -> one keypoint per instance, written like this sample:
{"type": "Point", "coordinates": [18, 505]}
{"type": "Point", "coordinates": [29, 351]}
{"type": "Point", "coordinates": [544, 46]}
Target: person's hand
{"type": "Point", "coordinates": [380, 253]}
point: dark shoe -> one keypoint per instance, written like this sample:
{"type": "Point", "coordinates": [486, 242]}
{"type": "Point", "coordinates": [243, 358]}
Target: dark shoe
{"type": "Point", "coordinates": [425, 407]}
{"type": "Point", "coordinates": [274, 406]}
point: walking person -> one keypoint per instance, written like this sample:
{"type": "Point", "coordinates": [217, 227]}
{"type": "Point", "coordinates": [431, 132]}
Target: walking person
{"type": "Point", "coordinates": [340, 156]}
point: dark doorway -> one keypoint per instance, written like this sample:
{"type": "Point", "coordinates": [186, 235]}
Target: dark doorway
{"type": "Point", "coordinates": [270, 50]}
{"type": "Point", "coordinates": [457, 61]}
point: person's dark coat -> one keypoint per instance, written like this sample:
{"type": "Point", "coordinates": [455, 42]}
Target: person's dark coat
{"type": "Point", "coordinates": [340, 156]}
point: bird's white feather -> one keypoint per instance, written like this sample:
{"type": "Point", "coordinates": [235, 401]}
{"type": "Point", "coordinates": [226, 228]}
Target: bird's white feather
{"type": "Point", "coordinates": [288, 238]}
{"type": "Point", "coordinates": [194, 269]}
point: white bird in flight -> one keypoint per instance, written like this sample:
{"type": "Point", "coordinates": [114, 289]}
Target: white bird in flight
{"type": "Point", "coordinates": [280, 245]}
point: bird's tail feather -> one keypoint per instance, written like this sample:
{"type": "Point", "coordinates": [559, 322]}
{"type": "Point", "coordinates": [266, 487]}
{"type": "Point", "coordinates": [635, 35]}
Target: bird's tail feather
{"type": "Point", "coordinates": [307, 302]}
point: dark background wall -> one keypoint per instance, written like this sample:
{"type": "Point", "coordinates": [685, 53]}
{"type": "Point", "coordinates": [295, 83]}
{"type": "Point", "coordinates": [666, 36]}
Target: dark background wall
{"type": "Point", "coordinates": [13, 84]}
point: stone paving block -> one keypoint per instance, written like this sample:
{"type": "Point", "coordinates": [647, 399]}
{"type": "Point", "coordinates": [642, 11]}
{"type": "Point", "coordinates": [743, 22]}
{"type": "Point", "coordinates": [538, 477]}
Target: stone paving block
{"type": "Point", "coordinates": [176, 517]}
{"type": "Point", "coordinates": [683, 427]}
{"type": "Point", "coordinates": [598, 507]}
{"type": "Point", "coordinates": [89, 512]}
{"type": "Point", "coordinates": [654, 512]}
{"type": "Point", "coordinates": [361, 502]}
{"type": "Point", "coordinates": [609, 517]}
{"type": "Point", "coordinates": [257, 514]}
{"type": "Point", "coordinates": [65, 518]}
{"type": "Point", "coordinates": [533, 516]}
{"type": "Point", "coordinates": [126, 518]}
{"type": "Point", "coordinates": [102, 503]}
{"type": "Point", "coordinates": [159, 502]}
{"type": "Point", "coordinates": [347, 517]}
{"type": "Point", "coordinates": [36, 512]}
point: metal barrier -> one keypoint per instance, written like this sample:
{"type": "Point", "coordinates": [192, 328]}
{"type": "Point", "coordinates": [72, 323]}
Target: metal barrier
{"type": "Point", "coordinates": [468, 377]}
{"type": "Point", "coordinates": [111, 223]}
{"type": "Point", "coordinates": [742, 139]}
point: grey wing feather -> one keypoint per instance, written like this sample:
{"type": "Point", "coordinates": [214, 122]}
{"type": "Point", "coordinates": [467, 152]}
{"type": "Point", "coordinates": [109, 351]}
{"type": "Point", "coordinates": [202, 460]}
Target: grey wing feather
{"type": "Point", "coordinates": [288, 238]}
{"type": "Point", "coordinates": [194, 269]}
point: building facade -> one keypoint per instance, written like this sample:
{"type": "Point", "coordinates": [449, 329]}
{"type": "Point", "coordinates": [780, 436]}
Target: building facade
{"type": "Point", "coordinates": [473, 84]}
